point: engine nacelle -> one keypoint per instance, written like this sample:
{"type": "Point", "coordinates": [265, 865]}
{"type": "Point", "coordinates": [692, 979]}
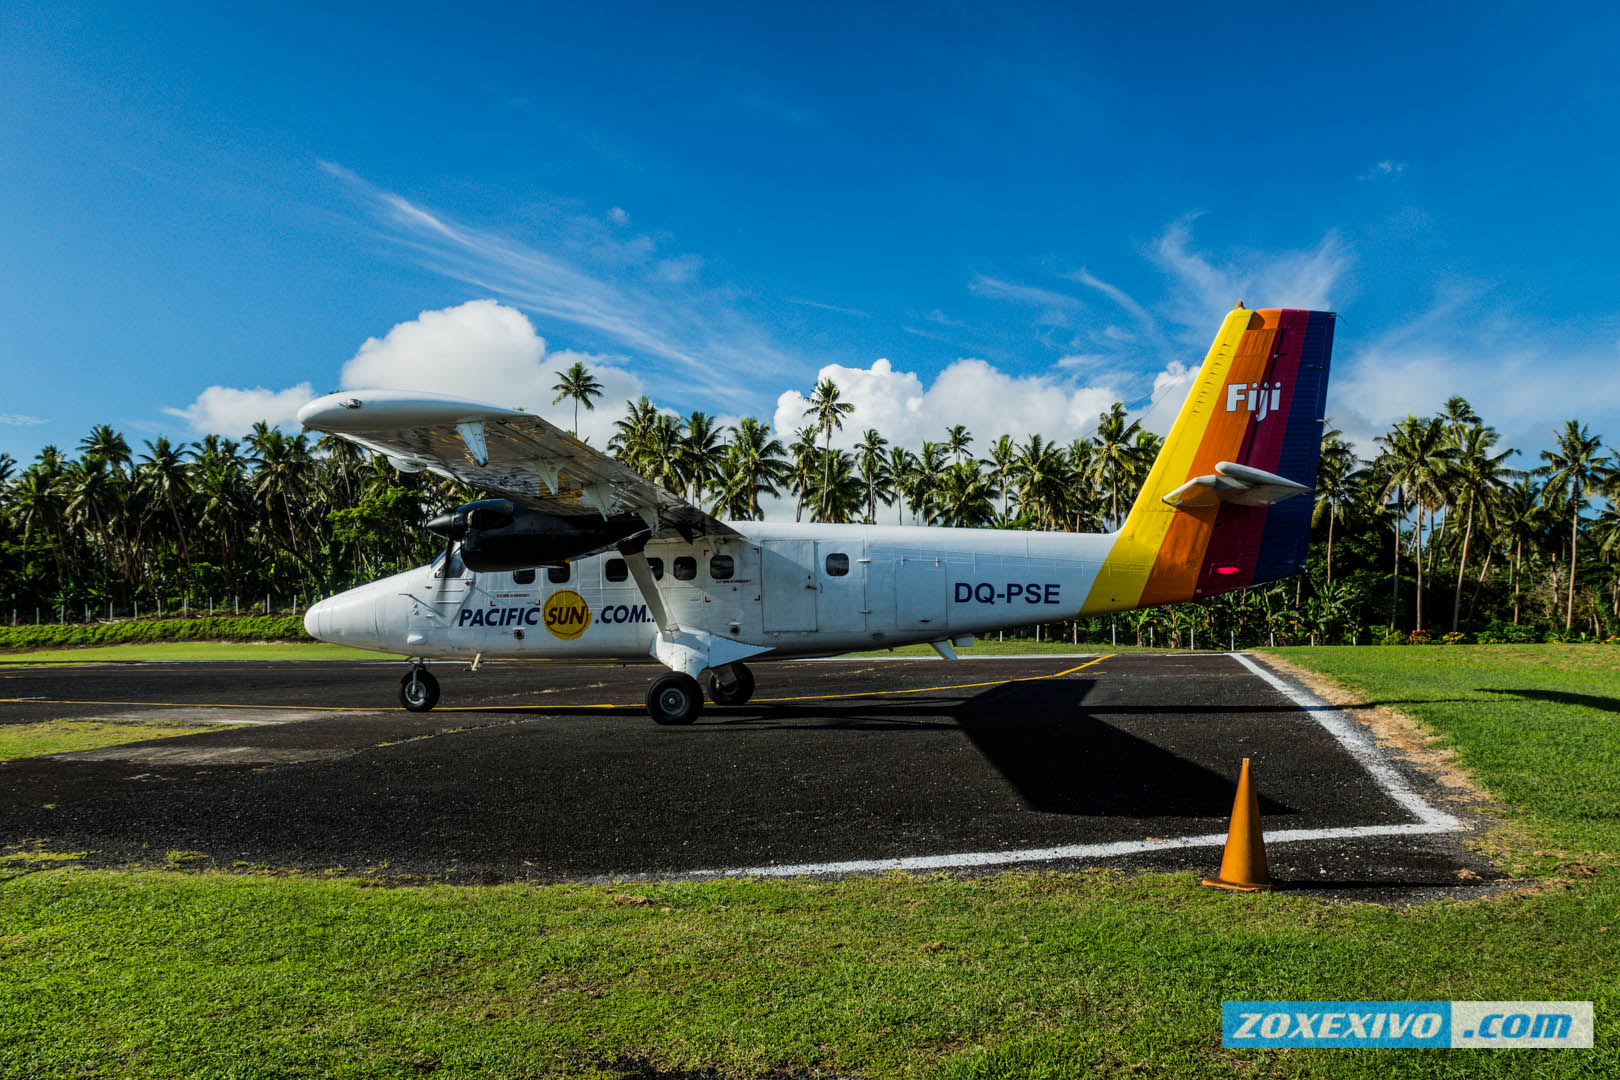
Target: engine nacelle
{"type": "Point", "coordinates": [499, 534]}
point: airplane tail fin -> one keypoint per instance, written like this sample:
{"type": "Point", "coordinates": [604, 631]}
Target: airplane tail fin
{"type": "Point", "coordinates": [1228, 500]}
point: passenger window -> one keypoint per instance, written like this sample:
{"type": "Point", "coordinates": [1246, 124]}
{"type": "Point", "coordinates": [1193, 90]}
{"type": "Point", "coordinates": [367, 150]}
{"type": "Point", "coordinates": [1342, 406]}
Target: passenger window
{"type": "Point", "coordinates": [657, 566]}
{"type": "Point", "coordinates": [837, 564]}
{"type": "Point", "coordinates": [523, 577]}
{"type": "Point", "coordinates": [721, 567]}
{"type": "Point", "coordinates": [615, 570]}
{"type": "Point", "coordinates": [685, 568]}
{"type": "Point", "coordinates": [559, 575]}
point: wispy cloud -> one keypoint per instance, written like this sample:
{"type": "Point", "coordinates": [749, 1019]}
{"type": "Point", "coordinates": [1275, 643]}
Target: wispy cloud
{"type": "Point", "coordinates": [583, 272]}
{"type": "Point", "coordinates": [1055, 307]}
{"type": "Point", "coordinates": [858, 313]}
{"type": "Point", "coordinates": [1383, 170]}
{"type": "Point", "coordinates": [1202, 290]}
{"type": "Point", "coordinates": [21, 420]}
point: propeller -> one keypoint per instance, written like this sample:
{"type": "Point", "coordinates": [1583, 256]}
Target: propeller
{"type": "Point", "coordinates": [452, 525]}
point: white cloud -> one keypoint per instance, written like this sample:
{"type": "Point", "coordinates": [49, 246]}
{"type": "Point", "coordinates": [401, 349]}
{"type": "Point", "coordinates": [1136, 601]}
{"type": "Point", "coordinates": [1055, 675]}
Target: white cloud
{"type": "Point", "coordinates": [227, 410]}
{"type": "Point", "coordinates": [21, 420]}
{"type": "Point", "coordinates": [619, 216]}
{"type": "Point", "coordinates": [486, 351]}
{"type": "Point", "coordinates": [1205, 291]}
{"type": "Point", "coordinates": [481, 350]}
{"type": "Point", "coordinates": [972, 392]}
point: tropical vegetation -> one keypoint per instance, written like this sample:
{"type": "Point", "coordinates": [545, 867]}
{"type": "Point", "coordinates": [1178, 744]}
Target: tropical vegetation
{"type": "Point", "coordinates": [1442, 534]}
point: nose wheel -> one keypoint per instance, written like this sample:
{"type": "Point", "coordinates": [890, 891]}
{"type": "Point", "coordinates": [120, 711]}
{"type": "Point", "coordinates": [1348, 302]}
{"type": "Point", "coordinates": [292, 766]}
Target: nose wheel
{"type": "Point", "coordinates": [674, 699]}
{"type": "Point", "coordinates": [418, 690]}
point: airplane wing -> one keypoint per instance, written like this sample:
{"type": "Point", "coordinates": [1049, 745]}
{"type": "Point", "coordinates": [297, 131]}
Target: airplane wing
{"type": "Point", "coordinates": [506, 451]}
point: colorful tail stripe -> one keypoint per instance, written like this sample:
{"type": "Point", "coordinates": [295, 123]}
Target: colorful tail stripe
{"type": "Point", "coordinates": [1258, 401]}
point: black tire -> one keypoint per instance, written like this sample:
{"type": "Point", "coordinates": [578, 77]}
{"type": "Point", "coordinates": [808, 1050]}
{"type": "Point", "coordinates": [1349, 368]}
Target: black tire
{"type": "Point", "coordinates": [419, 690]}
{"type": "Point", "coordinates": [674, 699]}
{"type": "Point", "coordinates": [738, 693]}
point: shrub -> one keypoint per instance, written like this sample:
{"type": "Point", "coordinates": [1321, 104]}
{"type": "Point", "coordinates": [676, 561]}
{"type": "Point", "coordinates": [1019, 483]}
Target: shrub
{"type": "Point", "coordinates": [1456, 637]}
{"type": "Point", "coordinates": [216, 628]}
{"type": "Point", "coordinates": [1394, 637]}
{"type": "Point", "coordinates": [1418, 637]}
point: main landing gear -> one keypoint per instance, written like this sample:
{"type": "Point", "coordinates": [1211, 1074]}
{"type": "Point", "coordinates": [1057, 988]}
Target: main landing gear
{"type": "Point", "coordinates": [418, 690]}
{"type": "Point", "coordinates": [677, 699]}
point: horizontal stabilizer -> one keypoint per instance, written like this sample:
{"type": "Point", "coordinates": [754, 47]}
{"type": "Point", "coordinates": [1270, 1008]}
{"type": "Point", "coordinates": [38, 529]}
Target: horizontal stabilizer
{"type": "Point", "coordinates": [1234, 483]}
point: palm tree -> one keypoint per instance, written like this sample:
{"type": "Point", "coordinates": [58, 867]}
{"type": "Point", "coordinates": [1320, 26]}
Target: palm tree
{"type": "Point", "coordinates": [1417, 456]}
{"type": "Point", "coordinates": [842, 491]}
{"type": "Point", "coordinates": [874, 468]}
{"type": "Point", "coordinates": [829, 412]}
{"type": "Point", "coordinates": [966, 496]}
{"type": "Point", "coordinates": [1573, 471]}
{"type": "Point", "coordinates": [902, 464]}
{"type": "Point", "coordinates": [163, 475]}
{"type": "Point", "coordinates": [633, 435]}
{"type": "Point", "coordinates": [1041, 475]}
{"type": "Point", "coordinates": [1116, 461]}
{"type": "Point", "coordinates": [754, 464]}
{"type": "Point", "coordinates": [699, 453]}
{"type": "Point", "coordinates": [957, 441]}
{"type": "Point", "coordinates": [1003, 452]}
{"type": "Point", "coordinates": [579, 384]}
{"type": "Point", "coordinates": [1478, 478]}
{"type": "Point", "coordinates": [802, 453]}
{"type": "Point", "coordinates": [1334, 484]}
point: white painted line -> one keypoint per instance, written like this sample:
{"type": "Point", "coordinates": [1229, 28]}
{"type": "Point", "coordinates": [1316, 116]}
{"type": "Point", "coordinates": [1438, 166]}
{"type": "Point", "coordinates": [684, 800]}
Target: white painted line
{"type": "Point", "coordinates": [1357, 743]}
{"type": "Point", "coordinates": [1343, 729]}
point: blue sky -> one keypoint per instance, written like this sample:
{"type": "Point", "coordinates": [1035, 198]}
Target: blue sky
{"type": "Point", "coordinates": [997, 215]}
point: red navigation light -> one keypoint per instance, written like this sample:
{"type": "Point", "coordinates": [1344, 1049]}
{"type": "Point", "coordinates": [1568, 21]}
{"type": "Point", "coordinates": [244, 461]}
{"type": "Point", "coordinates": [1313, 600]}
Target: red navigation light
{"type": "Point", "coordinates": [1227, 570]}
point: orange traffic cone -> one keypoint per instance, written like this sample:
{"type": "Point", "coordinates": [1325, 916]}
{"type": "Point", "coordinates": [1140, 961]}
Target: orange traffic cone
{"type": "Point", "coordinates": [1243, 866]}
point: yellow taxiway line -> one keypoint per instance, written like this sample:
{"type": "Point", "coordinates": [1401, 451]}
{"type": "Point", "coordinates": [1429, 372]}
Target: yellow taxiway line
{"type": "Point", "coordinates": [544, 708]}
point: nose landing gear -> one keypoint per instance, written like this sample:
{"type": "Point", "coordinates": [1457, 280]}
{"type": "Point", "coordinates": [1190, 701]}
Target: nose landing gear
{"type": "Point", "coordinates": [418, 690]}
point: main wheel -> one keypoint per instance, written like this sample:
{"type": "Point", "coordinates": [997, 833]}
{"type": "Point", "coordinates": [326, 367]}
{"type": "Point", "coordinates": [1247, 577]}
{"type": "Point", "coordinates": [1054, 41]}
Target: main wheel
{"type": "Point", "coordinates": [738, 693]}
{"type": "Point", "coordinates": [419, 690]}
{"type": "Point", "coordinates": [674, 699]}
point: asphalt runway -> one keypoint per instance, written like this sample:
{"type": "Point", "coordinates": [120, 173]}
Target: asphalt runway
{"type": "Point", "coordinates": [552, 771]}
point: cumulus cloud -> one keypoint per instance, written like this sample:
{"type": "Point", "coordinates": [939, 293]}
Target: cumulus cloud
{"type": "Point", "coordinates": [227, 410]}
{"type": "Point", "coordinates": [972, 392]}
{"type": "Point", "coordinates": [487, 351]}
{"type": "Point", "coordinates": [481, 350]}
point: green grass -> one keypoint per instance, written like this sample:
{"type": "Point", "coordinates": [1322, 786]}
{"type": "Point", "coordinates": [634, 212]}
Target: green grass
{"type": "Point", "coordinates": [200, 628]}
{"type": "Point", "coordinates": [195, 650]}
{"type": "Point", "coordinates": [1538, 725]}
{"type": "Point", "coordinates": [65, 736]}
{"type": "Point", "coordinates": [204, 973]}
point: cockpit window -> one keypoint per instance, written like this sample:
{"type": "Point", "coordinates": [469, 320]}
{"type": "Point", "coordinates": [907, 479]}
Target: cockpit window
{"type": "Point", "coordinates": [455, 568]}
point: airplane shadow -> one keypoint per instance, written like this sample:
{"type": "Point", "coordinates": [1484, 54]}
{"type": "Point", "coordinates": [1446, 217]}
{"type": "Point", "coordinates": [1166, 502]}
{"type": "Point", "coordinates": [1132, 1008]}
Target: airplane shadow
{"type": "Point", "coordinates": [1560, 697]}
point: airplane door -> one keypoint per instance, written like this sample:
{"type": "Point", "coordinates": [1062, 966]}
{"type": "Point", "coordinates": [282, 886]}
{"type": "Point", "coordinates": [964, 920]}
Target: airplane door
{"type": "Point", "coordinates": [919, 593]}
{"type": "Point", "coordinates": [439, 600]}
{"type": "Point", "coordinates": [840, 570]}
{"type": "Point", "coordinates": [787, 574]}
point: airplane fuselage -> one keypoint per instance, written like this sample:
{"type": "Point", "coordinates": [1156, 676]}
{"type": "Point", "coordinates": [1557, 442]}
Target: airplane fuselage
{"type": "Point", "coordinates": [796, 589]}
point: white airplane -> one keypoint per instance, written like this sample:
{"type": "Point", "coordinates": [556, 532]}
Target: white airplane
{"type": "Point", "coordinates": [577, 556]}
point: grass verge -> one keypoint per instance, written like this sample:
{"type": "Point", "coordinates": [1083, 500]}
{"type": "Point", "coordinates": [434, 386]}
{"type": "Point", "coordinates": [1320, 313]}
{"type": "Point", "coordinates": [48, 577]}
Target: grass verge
{"type": "Point", "coordinates": [66, 736]}
{"type": "Point", "coordinates": [194, 650]}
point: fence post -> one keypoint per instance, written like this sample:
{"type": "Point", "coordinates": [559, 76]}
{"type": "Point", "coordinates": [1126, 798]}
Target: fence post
{"type": "Point", "coordinates": [185, 606]}
{"type": "Point", "coordinates": [238, 601]}
{"type": "Point", "coordinates": [1231, 641]}
{"type": "Point", "coordinates": [1113, 633]}
{"type": "Point", "coordinates": [1150, 637]}
{"type": "Point", "coordinates": [1192, 636]}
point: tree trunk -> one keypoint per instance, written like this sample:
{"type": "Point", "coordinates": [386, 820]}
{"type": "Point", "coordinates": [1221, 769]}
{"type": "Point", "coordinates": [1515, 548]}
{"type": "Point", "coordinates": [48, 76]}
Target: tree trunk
{"type": "Point", "coordinates": [1330, 546]}
{"type": "Point", "coordinates": [1419, 561]}
{"type": "Point", "coordinates": [1574, 540]}
{"type": "Point", "coordinates": [1485, 572]}
{"type": "Point", "coordinates": [1395, 610]}
{"type": "Point", "coordinates": [1518, 550]}
{"type": "Point", "coordinates": [1462, 563]}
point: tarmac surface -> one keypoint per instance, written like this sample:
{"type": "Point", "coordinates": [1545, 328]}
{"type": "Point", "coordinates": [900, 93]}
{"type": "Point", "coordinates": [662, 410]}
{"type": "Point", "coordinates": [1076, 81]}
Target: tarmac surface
{"type": "Point", "coordinates": [551, 771]}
